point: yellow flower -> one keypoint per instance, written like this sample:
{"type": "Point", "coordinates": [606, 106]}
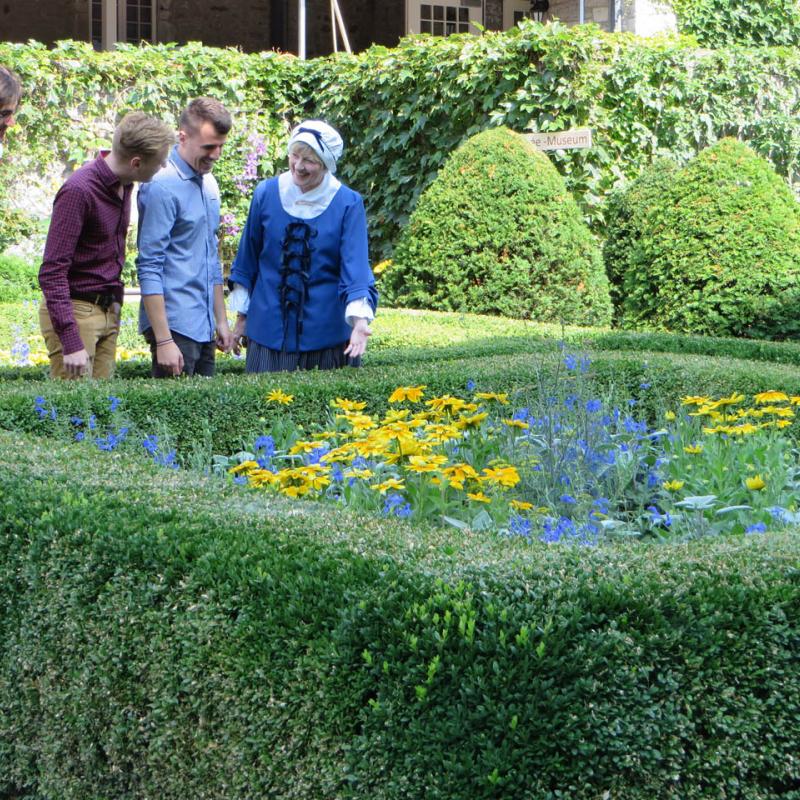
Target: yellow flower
{"type": "Point", "coordinates": [516, 423]}
{"type": "Point", "coordinates": [446, 403]}
{"type": "Point", "coordinates": [782, 423]}
{"type": "Point", "coordinates": [245, 466]}
{"type": "Point", "coordinates": [673, 486]}
{"type": "Point", "coordinates": [695, 400]}
{"type": "Point", "coordinates": [670, 416]}
{"type": "Point", "coordinates": [457, 474]}
{"type": "Point", "coordinates": [359, 473]}
{"type": "Point", "coordinates": [795, 400]}
{"type": "Point", "coordinates": [295, 491]}
{"type": "Point", "coordinates": [428, 463]}
{"type": "Point", "coordinates": [277, 396]}
{"type": "Point", "coordinates": [771, 396]}
{"type": "Point", "coordinates": [348, 405]}
{"type": "Point", "coordinates": [503, 475]}
{"type": "Point", "coordinates": [471, 422]}
{"type": "Point", "coordinates": [411, 393]}
{"type": "Point", "coordinates": [479, 497]}
{"type": "Point", "coordinates": [500, 398]}
{"type": "Point", "coordinates": [305, 447]}
{"type": "Point", "coordinates": [391, 483]}
{"type": "Point", "coordinates": [755, 484]}
{"type": "Point", "coordinates": [732, 400]}
{"type": "Point", "coordinates": [693, 449]}
{"type": "Point", "coordinates": [521, 505]}
{"type": "Point", "coordinates": [381, 266]}
{"type": "Point", "coordinates": [395, 415]}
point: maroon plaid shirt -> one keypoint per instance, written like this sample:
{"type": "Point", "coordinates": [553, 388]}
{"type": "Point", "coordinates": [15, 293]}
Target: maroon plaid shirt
{"type": "Point", "coordinates": [85, 249]}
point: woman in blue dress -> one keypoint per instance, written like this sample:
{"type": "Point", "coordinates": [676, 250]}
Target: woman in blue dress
{"type": "Point", "coordinates": [303, 289]}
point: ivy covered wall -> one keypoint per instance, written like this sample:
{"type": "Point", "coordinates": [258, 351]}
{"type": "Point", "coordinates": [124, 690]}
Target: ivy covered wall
{"type": "Point", "coordinates": [403, 110]}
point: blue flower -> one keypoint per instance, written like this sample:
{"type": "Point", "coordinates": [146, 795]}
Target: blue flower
{"type": "Point", "coordinates": [593, 406]}
{"type": "Point", "coordinates": [585, 363]}
{"type": "Point", "coordinates": [519, 526]}
{"type": "Point", "coordinates": [471, 385]}
{"type": "Point", "coordinates": [778, 514]}
{"type": "Point", "coordinates": [76, 421]}
{"type": "Point", "coordinates": [403, 511]}
{"type": "Point", "coordinates": [265, 443]}
{"type": "Point", "coordinates": [568, 499]}
{"type": "Point", "coordinates": [92, 422]}
{"type": "Point", "coordinates": [80, 436]}
{"type": "Point", "coordinates": [644, 385]}
{"type": "Point", "coordinates": [337, 476]}
{"type": "Point", "coordinates": [240, 480]}
{"type": "Point", "coordinates": [113, 402]}
{"type": "Point", "coordinates": [570, 362]}
{"type": "Point", "coordinates": [150, 444]}
{"type": "Point", "coordinates": [756, 527]}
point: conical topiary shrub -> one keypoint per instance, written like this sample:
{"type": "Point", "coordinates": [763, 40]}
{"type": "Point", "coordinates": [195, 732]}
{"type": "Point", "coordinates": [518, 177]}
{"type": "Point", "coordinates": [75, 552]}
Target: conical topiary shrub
{"type": "Point", "coordinates": [714, 249]}
{"type": "Point", "coordinates": [498, 233]}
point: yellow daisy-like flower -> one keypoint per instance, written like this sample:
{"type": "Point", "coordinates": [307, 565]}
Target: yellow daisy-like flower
{"type": "Point", "coordinates": [670, 416]}
{"type": "Point", "coordinates": [447, 403]}
{"type": "Point", "coordinates": [305, 447]}
{"type": "Point", "coordinates": [348, 405]}
{"type": "Point", "coordinates": [411, 393]}
{"type": "Point", "coordinates": [479, 497]}
{"type": "Point", "coordinates": [277, 396]}
{"type": "Point", "coordinates": [696, 400]}
{"type": "Point", "coordinates": [521, 505]}
{"type": "Point", "coordinates": [731, 400]}
{"type": "Point", "coordinates": [245, 466]}
{"type": "Point", "coordinates": [499, 398]}
{"type": "Point", "coordinates": [673, 486]}
{"type": "Point", "coordinates": [395, 415]}
{"type": "Point", "coordinates": [693, 449]}
{"type": "Point", "coordinates": [756, 483]}
{"type": "Point", "coordinates": [471, 422]}
{"type": "Point", "coordinates": [458, 474]}
{"type": "Point", "coordinates": [295, 491]}
{"type": "Point", "coordinates": [782, 423]}
{"type": "Point", "coordinates": [390, 483]}
{"type": "Point", "coordinates": [505, 475]}
{"type": "Point", "coordinates": [795, 400]}
{"type": "Point", "coordinates": [771, 396]}
{"type": "Point", "coordinates": [428, 463]}
{"type": "Point", "coordinates": [381, 266]}
{"type": "Point", "coordinates": [742, 430]}
{"type": "Point", "coordinates": [516, 423]}
{"type": "Point", "coordinates": [359, 473]}
{"type": "Point", "coordinates": [779, 411]}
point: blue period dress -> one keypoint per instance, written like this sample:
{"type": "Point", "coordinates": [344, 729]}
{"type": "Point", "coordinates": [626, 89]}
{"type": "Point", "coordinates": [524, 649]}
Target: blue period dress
{"type": "Point", "coordinates": [301, 274]}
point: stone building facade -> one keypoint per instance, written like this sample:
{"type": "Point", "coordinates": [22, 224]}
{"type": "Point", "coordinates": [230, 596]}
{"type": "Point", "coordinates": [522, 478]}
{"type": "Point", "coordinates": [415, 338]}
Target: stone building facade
{"type": "Point", "coordinates": [255, 25]}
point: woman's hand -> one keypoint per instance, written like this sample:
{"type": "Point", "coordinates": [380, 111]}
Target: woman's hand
{"type": "Point", "coordinates": [358, 338]}
{"type": "Point", "coordinates": [238, 337]}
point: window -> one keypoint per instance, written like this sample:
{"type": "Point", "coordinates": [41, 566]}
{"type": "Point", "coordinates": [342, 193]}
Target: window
{"type": "Point", "coordinates": [443, 20]}
{"type": "Point", "coordinates": [130, 21]}
{"type": "Point", "coordinates": [138, 21]}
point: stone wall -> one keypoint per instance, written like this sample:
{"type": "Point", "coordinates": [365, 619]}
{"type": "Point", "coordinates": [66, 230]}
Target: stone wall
{"type": "Point", "coordinates": [44, 20]}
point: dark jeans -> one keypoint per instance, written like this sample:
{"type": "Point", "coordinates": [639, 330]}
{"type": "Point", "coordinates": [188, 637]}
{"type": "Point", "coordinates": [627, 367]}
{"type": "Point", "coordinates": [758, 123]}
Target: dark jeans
{"type": "Point", "coordinates": [198, 357]}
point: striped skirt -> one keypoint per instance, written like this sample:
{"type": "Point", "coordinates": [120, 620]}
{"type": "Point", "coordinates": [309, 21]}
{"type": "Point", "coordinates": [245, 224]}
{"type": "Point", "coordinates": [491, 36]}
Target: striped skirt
{"type": "Point", "coordinates": [262, 359]}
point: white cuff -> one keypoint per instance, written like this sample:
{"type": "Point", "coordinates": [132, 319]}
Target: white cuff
{"type": "Point", "coordinates": [358, 309]}
{"type": "Point", "coordinates": [239, 299]}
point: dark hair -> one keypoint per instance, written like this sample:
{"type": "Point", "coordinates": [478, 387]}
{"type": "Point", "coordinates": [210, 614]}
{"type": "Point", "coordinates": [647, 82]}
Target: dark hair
{"type": "Point", "coordinates": [10, 87]}
{"type": "Point", "coordinates": [206, 109]}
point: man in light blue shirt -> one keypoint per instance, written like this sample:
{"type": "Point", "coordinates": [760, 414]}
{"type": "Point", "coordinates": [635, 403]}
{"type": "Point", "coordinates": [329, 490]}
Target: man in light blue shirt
{"type": "Point", "coordinates": [182, 315]}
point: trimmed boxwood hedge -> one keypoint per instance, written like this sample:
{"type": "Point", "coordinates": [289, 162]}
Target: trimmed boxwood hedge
{"type": "Point", "coordinates": [162, 636]}
{"type": "Point", "coordinates": [711, 248]}
{"type": "Point", "coordinates": [226, 413]}
{"type": "Point", "coordinates": [497, 232]}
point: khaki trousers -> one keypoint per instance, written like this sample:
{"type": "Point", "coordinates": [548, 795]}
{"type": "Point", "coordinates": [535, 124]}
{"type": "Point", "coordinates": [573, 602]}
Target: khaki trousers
{"type": "Point", "coordinates": [98, 329]}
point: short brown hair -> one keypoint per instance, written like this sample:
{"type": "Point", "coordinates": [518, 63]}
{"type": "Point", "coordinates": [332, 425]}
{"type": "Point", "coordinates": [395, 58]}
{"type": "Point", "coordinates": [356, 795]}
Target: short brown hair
{"type": "Point", "coordinates": [138, 134]}
{"type": "Point", "coordinates": [10, 87]}
{"type": "Point", "coordinates": [206, 109]}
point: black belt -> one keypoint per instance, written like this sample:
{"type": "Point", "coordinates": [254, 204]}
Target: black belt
{"type": "Point", "coordinates": [105, 301]}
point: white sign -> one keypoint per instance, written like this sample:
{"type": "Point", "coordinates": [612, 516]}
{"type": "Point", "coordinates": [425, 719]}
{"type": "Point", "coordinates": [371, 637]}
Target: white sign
{"type": "Point", "coordinates": [575, 139]}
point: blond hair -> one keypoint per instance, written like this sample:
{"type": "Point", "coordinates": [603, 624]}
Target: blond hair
{"type": "Point", "coordinates": [306, 151]}
{"type": "Point", "coordinates": [141, 135]}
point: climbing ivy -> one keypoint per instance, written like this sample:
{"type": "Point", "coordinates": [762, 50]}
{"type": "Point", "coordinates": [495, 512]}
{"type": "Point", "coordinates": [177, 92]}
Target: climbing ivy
{"type": "Point", "coordinates": [402, 111]}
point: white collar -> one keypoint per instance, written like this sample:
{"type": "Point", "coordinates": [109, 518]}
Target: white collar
{"type": "Point", "coordinates": [307, 205]}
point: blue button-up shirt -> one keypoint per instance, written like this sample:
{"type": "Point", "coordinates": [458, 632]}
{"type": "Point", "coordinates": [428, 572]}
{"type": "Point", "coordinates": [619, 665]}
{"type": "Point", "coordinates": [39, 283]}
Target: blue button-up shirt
{"type": "Point", "coordinates": [178, 257]}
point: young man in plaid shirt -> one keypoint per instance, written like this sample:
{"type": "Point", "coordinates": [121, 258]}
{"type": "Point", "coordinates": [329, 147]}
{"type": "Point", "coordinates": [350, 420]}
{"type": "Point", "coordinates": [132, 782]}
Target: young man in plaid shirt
{"type": "Point", "coordinates": [81, 272]}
